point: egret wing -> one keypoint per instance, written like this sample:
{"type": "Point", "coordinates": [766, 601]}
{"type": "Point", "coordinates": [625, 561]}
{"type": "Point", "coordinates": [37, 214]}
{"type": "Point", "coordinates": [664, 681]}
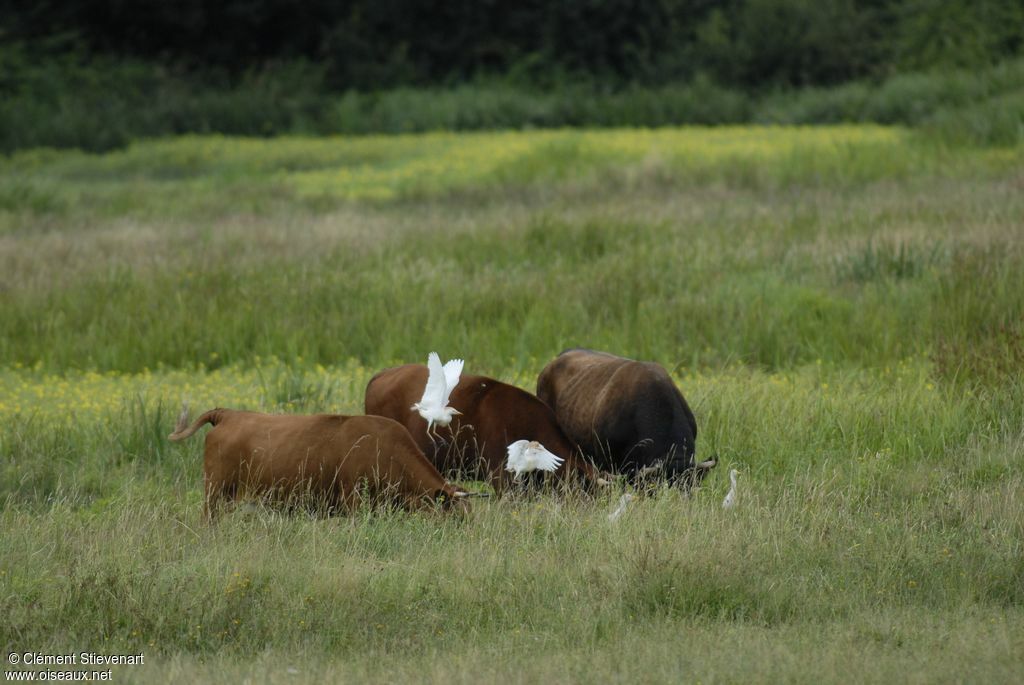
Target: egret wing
{"type": "Point", "coordinates": [544, 460]}
{"type": "Point", "coordinates": [452, 373]}
{"type": "Point", "coordinates": [434, 394]}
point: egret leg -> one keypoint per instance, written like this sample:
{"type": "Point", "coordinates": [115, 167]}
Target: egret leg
{"type": "Point", "coordinates": [440, 438]}
{"type": "Point", "coordinates": [430, 435]}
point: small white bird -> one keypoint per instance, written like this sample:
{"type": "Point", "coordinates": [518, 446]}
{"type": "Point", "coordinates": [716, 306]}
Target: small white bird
{"type": "Point", "coordinates": [529, 455]}
{"type": "Point", "coordinates": [730, 498]}
{"type": "Point", "coordinates": [623, 503]}
{"type": "Point", "coordinates": [433, 406]}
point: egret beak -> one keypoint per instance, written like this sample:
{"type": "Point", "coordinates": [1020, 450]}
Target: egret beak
{"type": "Point", "coordinates": [456, 412]}
{"type": "Point", "coordinates": [462, 494]}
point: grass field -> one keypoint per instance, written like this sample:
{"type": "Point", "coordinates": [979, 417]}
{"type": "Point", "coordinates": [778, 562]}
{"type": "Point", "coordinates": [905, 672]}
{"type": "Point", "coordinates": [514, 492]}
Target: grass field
{"type": "Point", "coordinates": [842, 307]}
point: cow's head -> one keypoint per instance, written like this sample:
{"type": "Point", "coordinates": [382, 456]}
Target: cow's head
{"type": "Point", "coordinates": [681, 470]}
{"type": "Point", "coordinates": [693, 473]}
{"type": "Point", "coordinates": [456, 499]}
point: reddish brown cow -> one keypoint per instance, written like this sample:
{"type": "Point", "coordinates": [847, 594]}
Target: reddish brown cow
{"type": "Point", "coordinates": [334, 459]}
{"type": "Point", "coordinates": [494, 415]}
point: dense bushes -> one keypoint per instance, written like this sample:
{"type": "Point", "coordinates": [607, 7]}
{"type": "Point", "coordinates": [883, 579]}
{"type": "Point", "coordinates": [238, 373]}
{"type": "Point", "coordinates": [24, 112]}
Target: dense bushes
{"type": "Point", "coordinates": [104, 104]}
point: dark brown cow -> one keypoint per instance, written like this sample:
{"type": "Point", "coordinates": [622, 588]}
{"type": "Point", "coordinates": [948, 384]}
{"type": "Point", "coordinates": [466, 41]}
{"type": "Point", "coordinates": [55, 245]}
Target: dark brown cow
{"type": "Point", "coordinates": [333, 458]}
{"type": "Point", "coordinates": [628, 415]}
{"type": "Point", "coordinates": [494, 415]}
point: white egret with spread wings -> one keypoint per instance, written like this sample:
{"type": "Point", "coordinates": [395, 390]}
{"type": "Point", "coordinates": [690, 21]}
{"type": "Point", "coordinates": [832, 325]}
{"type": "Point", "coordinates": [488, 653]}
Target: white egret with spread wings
{"type": "Point", "coordinates": [433, 406]}
{"type": "Point", "coordinates": [529, 455]}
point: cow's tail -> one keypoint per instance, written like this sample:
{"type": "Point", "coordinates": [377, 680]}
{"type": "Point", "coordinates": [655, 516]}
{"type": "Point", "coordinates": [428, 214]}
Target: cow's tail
{"type": "Point", "coordinates": [183, 430]}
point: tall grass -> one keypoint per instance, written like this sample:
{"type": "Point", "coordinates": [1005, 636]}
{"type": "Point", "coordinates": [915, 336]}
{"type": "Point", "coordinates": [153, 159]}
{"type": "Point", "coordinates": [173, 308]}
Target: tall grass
{"type": "Point", "coordinates": [804, 561]}
{"type": "Point", "coordinates": [851, 255]}
{"type": "Point", "coordinates": [841, 307]}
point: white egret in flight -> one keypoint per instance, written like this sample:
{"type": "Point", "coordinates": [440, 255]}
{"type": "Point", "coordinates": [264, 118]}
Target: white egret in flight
{"type": "Point", "coordinates": [623, 503]}
{"type": "Point", "coordinates": [730, 498]}
{"type": "Point", "coordinates": [529, 455]}
{"type": "Point", "coordinates": [433, 406]}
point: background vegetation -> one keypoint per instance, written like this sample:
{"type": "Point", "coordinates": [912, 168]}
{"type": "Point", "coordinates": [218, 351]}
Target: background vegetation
{"type": "Point", "coordinates": [375, 45]}
{"type": "Point", "coordinates": [842, 306]}
{"type": "Point", "coordinates": [97, 74]}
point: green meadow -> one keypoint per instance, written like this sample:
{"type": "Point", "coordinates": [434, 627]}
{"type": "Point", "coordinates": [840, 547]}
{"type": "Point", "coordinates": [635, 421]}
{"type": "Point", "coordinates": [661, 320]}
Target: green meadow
{"type": "Point", "coordinates": [843, 308]}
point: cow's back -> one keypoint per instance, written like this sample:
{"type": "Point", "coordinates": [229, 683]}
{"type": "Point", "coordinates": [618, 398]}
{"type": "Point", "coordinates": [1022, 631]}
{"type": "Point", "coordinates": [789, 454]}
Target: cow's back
{"type": "Point", "coordinates": [622, 412]}
{"type": "Point", "coordinates": [582, 388]}
{"type": "Point", "coordinates": [279, 448]}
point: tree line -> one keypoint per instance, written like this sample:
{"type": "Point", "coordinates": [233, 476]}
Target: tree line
{"type": "Point", "coordinates": [382, 44]}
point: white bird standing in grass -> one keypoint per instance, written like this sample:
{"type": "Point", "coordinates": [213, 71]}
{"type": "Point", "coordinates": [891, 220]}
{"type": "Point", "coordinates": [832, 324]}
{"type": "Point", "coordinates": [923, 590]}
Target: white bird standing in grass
{"type": "Point", "coordinates": [433, 406]}
{"type": "Point", "coordinates": [623, 503]}
{"type": "Point", "coordinates": [730, 498]}
{"type": "Point", "coordinates": [529, 455]}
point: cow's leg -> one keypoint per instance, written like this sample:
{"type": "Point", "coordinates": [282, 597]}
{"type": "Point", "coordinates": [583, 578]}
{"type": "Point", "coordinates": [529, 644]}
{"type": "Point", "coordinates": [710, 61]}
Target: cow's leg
{"type": "Point", "coordinates": [216, 490]}
{"type": "Point", "coordinates": [499, 481]}
{"type": "Point", "coordinates": [221, 478]}
{"type": "Point", "coordinates": [490, 460]}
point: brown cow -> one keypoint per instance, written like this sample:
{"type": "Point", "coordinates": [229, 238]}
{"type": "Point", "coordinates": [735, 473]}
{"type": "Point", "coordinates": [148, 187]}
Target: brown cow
{"type": "Point", "coordinates": [628, 415]}
{"type": "Point", "coordinates": [494, 415]}
{"type": "Point", "coordinates": [332, 458]}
